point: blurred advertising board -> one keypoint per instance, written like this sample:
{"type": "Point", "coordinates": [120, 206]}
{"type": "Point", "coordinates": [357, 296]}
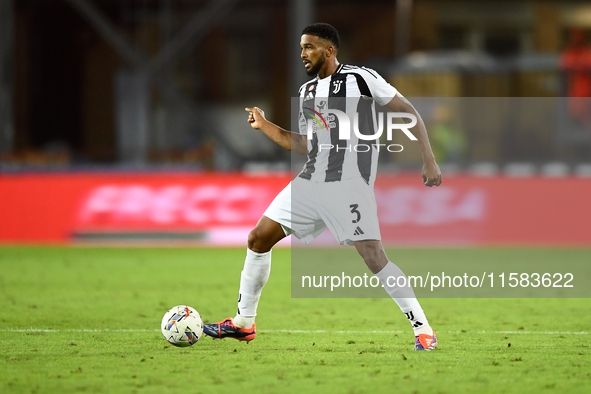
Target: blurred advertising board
{"type": "Point", "coordinates": [220, 209]}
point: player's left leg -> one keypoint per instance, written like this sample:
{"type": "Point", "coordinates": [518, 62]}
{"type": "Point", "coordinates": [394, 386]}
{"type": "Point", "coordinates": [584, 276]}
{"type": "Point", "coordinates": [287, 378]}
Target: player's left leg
{"type": "Point", "coordinates": [373, 254]}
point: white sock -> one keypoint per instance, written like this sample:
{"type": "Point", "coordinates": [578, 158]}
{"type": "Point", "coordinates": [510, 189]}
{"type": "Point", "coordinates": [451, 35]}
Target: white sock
{"type": "Point", "coordinates": [404, 297]}
{"type": "Point", "coordinates": [255, 273]}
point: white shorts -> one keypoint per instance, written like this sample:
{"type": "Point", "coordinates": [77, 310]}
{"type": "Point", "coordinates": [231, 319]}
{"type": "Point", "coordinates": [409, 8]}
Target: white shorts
{"type": "Point", "coordinates": [347, 208]}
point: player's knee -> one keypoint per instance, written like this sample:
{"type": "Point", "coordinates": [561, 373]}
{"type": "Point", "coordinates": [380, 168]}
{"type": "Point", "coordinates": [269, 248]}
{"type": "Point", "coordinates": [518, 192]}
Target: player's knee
{"type": "Point", "coordinates": [374, 259]}
{"type": "Point", "coordinates": [252, 239]}
{"type": "Point", "coordinates": [373, 264]}
{"type": "Point", "coordinates": [257, 242]}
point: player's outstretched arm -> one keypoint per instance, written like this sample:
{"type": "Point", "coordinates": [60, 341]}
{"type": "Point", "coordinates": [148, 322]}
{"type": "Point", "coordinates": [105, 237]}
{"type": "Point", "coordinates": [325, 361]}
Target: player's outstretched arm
{"type": "Point", "coordinates": [286, 139]}
{"type": "Point", "coordinates": [431, 171]}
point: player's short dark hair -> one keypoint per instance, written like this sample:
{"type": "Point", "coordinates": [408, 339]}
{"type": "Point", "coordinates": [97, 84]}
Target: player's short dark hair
{"type": "Point", "coordinates": [324, 30]}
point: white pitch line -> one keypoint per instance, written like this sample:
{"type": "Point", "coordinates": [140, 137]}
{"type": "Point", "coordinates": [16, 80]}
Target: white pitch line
{"type": "Point", "coordinates": [446, 332]}
{"type": "Point", "coordinates": [72, 330]}
{"type": "Point", "coordinates": [107, 330]}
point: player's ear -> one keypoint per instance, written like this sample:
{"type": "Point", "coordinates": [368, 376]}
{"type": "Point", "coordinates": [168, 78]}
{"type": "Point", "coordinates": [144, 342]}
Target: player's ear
{"type": "Point", "coordinates": [330, 51]}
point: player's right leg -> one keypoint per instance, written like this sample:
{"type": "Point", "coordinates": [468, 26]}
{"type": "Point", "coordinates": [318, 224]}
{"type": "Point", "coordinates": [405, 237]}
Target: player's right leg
{"type": "Point", "coordinates": [255, 274]}
{"type": "Point", "coordinates": [284, 216]}
{"type": "Point", "coordinates": [265, 235]}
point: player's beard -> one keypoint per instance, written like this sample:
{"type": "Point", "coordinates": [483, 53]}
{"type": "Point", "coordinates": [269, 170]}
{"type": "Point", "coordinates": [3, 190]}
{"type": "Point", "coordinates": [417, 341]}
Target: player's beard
{"type": "Point", "coordinates": [316, 67]}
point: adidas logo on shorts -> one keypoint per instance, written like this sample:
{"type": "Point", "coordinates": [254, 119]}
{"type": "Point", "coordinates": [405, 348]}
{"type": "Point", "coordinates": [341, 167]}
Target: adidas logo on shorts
{"type": "Point", "coordinates": [358, 231]}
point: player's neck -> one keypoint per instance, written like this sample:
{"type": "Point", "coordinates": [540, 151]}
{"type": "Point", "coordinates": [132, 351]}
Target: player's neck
{"type": "Point", "coordinates": [328, 69]}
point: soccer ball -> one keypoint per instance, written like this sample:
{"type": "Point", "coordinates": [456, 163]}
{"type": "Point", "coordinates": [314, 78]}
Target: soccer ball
{"type": "Point", "coordinates": [182, 326]}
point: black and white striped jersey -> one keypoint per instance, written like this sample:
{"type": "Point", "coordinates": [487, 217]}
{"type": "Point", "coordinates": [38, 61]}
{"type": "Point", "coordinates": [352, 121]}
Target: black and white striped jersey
{"type": "Point", "coordinates": [354, 91]}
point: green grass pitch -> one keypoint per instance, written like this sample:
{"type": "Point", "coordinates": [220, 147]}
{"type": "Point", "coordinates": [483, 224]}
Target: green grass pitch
{"type": "Point", "coordinates": [87, 320]}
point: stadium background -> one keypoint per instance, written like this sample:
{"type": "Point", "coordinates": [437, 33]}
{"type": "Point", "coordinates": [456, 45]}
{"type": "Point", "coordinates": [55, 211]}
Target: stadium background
{"type": "Point", "coordinates": [124, 121]}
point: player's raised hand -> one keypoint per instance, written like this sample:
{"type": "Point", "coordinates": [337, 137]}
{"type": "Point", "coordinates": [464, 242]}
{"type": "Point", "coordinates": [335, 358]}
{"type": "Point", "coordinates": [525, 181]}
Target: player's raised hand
{"type": "Point", "coordinates": [256, 117]}
{"type": "Point", "coordinates": [431, 174]}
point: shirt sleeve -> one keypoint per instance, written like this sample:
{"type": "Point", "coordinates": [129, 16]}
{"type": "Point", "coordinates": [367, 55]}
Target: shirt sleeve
{"type": "Point", "coordinates": [302, 129]}
{"type": "Point", "coordinates": [381, 91]}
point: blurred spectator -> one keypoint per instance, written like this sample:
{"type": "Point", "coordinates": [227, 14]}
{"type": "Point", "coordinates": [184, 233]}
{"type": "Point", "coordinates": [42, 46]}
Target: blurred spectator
{"type": "Point", "coordinates": [447, 140]}
{"type": "Point", "coordinates": [575, 65]}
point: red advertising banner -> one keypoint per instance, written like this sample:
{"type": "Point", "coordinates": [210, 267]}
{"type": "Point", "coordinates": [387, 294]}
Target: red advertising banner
{"type": "Point", "coordinates": [61, 208]}
{"type": "Point", "coordinates": [221, 208]}
{"type": "Point", "coordinates": [475, 210]}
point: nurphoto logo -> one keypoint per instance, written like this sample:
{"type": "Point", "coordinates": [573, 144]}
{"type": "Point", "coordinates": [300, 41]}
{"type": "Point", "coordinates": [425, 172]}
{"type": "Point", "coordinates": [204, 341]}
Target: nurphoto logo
{"type": "Point", "coordinates": [326, 119]}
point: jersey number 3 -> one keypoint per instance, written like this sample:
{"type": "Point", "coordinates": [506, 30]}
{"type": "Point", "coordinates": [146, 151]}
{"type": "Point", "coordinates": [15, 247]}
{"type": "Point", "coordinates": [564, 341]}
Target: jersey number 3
{"type": "Point", "coordinates": [356, 212]}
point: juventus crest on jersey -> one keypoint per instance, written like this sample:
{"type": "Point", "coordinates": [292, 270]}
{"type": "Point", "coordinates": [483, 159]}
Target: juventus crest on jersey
{"type": "Point", "coordinates": [354, 91]}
